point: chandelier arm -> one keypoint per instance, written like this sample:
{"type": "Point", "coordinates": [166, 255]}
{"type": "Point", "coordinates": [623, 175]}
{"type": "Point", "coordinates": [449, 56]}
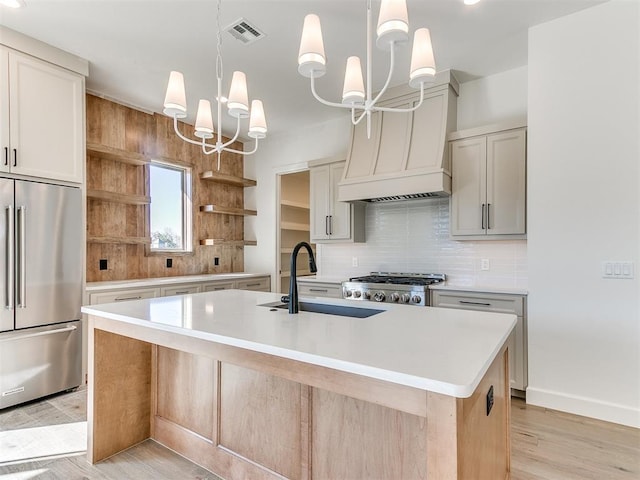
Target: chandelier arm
{"type": "Point", "coordinates": [322, 100]}
{"type": "Point", "coordinates": [391, 66]}
{"type": "Point", "coordinates": [235, 137]}
{"type": "Point", "coordinates": [359, 119]}
{"type": "Point", "coordinates": [403, 110]}
{"type": "Point", "coordinates": [242, 152]}
{"type": "Point", "coordinates": [186, 139]}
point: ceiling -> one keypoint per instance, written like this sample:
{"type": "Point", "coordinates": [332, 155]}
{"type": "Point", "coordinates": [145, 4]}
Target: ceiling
{"type": "Point", "coordinates": [133, 44]}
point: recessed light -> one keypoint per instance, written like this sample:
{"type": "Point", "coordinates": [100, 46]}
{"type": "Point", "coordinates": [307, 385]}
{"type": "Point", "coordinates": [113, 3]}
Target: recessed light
{"type": "Point", "coordinates": [12, 3]}
{"type": "Point", "coordinates": [471, 2]}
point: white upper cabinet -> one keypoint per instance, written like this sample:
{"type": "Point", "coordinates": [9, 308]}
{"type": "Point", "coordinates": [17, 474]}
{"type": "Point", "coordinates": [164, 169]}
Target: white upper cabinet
{"type": "Point", "coordinates": [332, 221]}
{"type": "Point", "coordinates": [489, 185]}
{"type": "Point", "coordinates": [41, 118]}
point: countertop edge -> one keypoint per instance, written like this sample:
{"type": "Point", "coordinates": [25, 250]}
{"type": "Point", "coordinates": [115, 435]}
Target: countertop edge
{"type": "Point", "coordinates": [481, 289]}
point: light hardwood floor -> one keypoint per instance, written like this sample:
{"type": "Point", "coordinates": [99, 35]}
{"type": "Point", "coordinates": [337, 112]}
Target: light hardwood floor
{"type": "Point", "coordinates": [46, 440]}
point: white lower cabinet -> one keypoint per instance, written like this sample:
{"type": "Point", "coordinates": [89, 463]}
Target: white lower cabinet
{"type": "Point", "coordinates": [498, 303]}
{"type": "Point", "coordinates": [122, 295]}
{"type": "Point", "coordinates": [319, 289]}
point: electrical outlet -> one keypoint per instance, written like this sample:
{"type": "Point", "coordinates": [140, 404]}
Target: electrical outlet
{"type": "Point", "coordinates": [354, 261]}
{"type": "Point", "coordinates": [169, 262]}
{"type": "Point", "coordinates": [216, 261]}
{"type": "Point", "coordinates": [484, 264]}
{"type": "Point", "coordinates": [103, 264]}
{"type": "Point", "coordinates": [489, 400]}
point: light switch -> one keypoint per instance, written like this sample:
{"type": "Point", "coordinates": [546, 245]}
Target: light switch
{"type": "Point", "coordinates": [611, 269]}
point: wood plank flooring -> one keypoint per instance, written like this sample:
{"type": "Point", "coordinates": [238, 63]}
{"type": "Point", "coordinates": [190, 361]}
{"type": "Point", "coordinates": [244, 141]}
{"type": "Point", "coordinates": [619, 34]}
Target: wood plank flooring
{"type": "Point", "coordinates": [44, 440]}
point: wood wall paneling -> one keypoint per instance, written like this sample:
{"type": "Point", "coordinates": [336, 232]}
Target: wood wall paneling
{"type": "Point", "coordinates": [114, 126]}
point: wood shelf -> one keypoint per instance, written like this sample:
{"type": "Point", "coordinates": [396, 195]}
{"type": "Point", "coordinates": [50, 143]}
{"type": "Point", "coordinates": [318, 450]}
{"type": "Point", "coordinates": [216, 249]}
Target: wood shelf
{"type": "Point", "coordinates": [300, 273]}
{"type": "Point", "coordinates": [125, 240]}
{"type": "Point", "coordinates": [226, 210]}
{"type": "Point", "coordinates": [227, 179]}
{"type": "Point", "coordinates": [111, 153]}
{"type": "Point", "coordinates": [291, 203]}
{"type": "Point", "coordinates": [220, 241]}
{"type": "Point", "coordinates": [119, 197]}
{"type": "Point", "coordinates": [301, 227]}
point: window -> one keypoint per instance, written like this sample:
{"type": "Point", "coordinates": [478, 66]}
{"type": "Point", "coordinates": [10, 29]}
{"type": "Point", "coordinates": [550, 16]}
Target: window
{"type": "Point", "coordinates": [170, 217]}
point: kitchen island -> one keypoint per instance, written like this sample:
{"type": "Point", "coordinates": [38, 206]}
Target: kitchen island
{"type": "Point", "coordinates": [249, 391]}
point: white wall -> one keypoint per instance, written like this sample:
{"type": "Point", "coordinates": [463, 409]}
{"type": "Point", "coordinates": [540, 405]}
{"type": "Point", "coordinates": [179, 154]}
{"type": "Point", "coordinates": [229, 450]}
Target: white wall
{"type": "Point", "coordinates": [584, 208]}
{"type": "Point", "coordinates": [497, 98]}
{"type": "Point", "coordinates": [276, 155]}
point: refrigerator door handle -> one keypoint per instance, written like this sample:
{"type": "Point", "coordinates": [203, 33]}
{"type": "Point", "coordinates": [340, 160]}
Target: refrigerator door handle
{"type": "Point", "coordinates": [22, 255]}
{"type": "Point", "coordinates": [10, 258]}
{"type": "Point", "coordinates": [70, 328]}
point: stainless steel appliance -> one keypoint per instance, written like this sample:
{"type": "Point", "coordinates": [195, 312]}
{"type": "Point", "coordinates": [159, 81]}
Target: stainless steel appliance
{"type": "Point", "coordinates": [41, 288]}
{"type": "Point", "coordinates": [405, 288]}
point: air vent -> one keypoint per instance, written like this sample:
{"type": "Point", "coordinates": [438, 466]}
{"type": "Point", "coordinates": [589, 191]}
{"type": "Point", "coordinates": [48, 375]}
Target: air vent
{"type": "Point", "coordinates": [245, 31]}
{"type": "Point", "coordinates": [410, 196]}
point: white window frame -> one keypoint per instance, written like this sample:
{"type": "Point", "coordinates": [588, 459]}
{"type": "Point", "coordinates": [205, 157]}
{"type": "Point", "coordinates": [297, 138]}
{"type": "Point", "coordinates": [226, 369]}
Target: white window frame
{"type": "Point", "coordinates": [187, 209]}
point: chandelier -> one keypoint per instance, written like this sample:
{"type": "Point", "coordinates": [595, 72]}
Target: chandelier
{"type": "Point", "coordinates": [175, 105]}
{"type": "Point", "coordinates": [392, 30]}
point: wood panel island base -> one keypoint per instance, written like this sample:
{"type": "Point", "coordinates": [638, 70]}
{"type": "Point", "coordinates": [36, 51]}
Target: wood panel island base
{"type": "Point", "coordinates": [244, 407]}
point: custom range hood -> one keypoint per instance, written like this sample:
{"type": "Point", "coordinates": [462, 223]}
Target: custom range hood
{"type": "Point", "coordinates": [406, 156]}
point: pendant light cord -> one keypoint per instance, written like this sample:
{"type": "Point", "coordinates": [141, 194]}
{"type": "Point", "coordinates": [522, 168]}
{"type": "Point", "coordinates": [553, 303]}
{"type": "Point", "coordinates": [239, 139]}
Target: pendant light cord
{"type": "Point", "coordinates": [219, 71]}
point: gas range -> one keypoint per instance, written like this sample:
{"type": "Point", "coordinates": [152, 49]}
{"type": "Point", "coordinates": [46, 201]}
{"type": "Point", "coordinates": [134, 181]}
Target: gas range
{"type": "Point", "coordinates": [404, 288]}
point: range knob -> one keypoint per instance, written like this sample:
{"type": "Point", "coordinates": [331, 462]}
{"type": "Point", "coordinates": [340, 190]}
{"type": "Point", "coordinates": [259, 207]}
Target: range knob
{"type": "Point", "coordinates": [366, 295]}
{"type": "Point", "coordinates": [416, 299]}
{"type": "Point", "coordinates": [405, 297]}
{"type": "Point", "coordinates": [357, 294]}
{"type": "Point", "coordinates": [395, 296]}
{"type": "Point", "coordinates": [379, 296]}
{"type": "Point", "coordinates": [348, 293]}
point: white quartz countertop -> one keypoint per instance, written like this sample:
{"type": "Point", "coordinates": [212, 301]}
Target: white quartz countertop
{"type": "Point", "coordinates": [446, 351]}
{"type": "Point", "coordinates": [316, 279]}
{"type": "Point", "coordinates": [161, 281]}
{"type": "Point", "coordinates": [479, 288]}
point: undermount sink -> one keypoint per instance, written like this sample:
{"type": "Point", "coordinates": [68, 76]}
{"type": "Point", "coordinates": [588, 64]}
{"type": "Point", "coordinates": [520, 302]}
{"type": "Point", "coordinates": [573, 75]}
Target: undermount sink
{"type": "Point", "coordinates": [341, 310]}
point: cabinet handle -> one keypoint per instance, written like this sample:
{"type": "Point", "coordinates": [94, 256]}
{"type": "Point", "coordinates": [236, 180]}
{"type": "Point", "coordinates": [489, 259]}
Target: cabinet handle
{"type": "Point", "coordinates": [330, 224]}
{"type": "Point", "coordinates": [326, 224]}
{"type": "Point", "coordinates": [121, 299]}
{"type": "Point", "coordinates": [182, 292]}
{"type": "Point", "coordinates": [465, 302]}
{"type": "Point", "coordinates": [218, 288]}
{"type": "Point", "coordinates": [483, 216]}
{"type": "Point", "coordinates": [15, 157]}
{"type": "Point", "coordinates": [6, 155]}
{"type": "Point", "coordinates": [257, 284]}
{"type": "Point", "coordinates": [488, 216]}
{"type": "Point", "coordinates": [324, 290]}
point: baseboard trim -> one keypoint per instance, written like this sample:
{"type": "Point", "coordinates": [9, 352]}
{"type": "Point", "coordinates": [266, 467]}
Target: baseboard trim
{"type": "Point", "coordinates": [587, 407]}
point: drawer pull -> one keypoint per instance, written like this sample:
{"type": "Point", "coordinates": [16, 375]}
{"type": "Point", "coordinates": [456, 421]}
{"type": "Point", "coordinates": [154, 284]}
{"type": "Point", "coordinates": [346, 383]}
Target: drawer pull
{"type": "Point", "coordinates": [475, 303]}
{"type": "Point", "coordinates": [182, 292]}
{"type": "Point", "coordinates": [319, 290]}
{"type": "Point", "coordinates": [121, 299]}
{"type": "Point", "coordinates": [218, 288]}
{"type": "Point", "coordinates": [253, 284]}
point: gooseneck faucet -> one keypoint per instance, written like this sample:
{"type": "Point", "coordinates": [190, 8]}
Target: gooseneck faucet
{"type": "Point", "coordinates": [293, 284]}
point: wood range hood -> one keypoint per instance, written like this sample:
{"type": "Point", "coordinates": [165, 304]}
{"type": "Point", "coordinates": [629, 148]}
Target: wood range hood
{"type": "Point", "coordinates": [406, 156]}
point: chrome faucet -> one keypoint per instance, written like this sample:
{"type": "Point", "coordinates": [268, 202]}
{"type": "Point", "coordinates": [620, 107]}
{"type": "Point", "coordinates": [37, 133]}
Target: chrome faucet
{"type": "Point", "coordinates": [293, 284]}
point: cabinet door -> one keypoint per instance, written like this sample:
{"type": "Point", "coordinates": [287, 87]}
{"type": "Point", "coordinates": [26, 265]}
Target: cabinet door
{"type": "Point", "coordinates": [320, 201]}
{"type": "Point", "coordinates": [4, 109]}
{"type": "Point", "coordinates": [340, 212]}
{"type": "Point", "coordinates": [506, 188]}
{"type": "Point", "coordinates": [468, 191]}
{"type": "Point", "coordinates": [46, 118]}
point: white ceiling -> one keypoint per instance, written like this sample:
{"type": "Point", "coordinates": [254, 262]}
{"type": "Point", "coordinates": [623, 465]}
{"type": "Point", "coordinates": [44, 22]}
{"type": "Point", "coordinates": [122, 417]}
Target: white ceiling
{"type": "Point", "coordinates": [133, 44]}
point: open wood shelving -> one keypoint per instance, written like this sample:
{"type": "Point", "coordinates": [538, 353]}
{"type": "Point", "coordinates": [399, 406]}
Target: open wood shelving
{"type": "Point", "coordinates": [116, 240]}
{"type": "Point", "coordinates": [219, 241]}
{"type": "Point", "coordinates": [226, 210]}
{"type": "Point", "coordinates": [216, 177]}
{"type": "Point", "coordinates": [127, 198]}
{"type": "Point", "coordinates": [116, 154]}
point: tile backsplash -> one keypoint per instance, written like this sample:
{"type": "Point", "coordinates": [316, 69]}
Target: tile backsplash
{"type": "Point", "coordinates": [413, 236]}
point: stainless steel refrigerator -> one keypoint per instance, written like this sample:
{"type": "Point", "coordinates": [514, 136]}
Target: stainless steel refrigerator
{"type": "Point", "coordinates": [41, 290]}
